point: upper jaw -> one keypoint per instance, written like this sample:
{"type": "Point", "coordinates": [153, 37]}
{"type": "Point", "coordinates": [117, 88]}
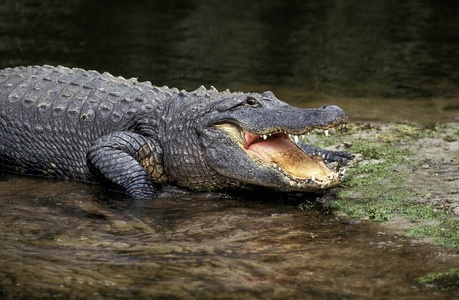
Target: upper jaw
{"type": "Point", "coordinates": [291, 120]}
{"type": "Point", "coordinates": [293, 136]}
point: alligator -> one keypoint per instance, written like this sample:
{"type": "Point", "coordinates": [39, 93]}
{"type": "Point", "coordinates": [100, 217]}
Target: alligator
{"type": "Point", "coordinates": [132, 136]}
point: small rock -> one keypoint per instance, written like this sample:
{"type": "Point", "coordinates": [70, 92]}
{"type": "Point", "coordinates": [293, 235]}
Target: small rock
{"type": "Point", "coordinates": [456, 210]}
{"type": "Point", "coordinates": [449, 138]}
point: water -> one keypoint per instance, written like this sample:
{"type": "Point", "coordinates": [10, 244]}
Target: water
{"type": "Point", "coordinates": [67, 239]}
{"type": "Point", "coordinates": [381, 61]}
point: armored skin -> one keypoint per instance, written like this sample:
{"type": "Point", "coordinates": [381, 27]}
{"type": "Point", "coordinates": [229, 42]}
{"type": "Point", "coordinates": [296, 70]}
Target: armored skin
{"type": "Point", "coordinates": [83, 125]}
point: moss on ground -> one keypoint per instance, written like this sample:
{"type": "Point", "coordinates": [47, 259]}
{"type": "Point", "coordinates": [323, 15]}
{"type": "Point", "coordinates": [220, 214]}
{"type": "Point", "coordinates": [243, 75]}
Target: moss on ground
{"type": "Point", "coordinates": [447, 281]}
{"type": "Point", "coordinates": [374, 187]}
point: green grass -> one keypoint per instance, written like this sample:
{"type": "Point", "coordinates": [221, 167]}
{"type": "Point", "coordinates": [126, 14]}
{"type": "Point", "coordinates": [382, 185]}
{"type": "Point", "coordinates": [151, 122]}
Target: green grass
{"type": "Point", "coordinates": [446, 233]}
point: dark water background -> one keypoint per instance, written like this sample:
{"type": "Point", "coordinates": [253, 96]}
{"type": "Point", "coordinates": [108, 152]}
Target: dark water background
{"type": "Point", "coordinates": [379, 60]}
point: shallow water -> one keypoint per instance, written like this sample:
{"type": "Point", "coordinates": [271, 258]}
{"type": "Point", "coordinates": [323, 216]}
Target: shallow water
{"type": "Point", "coordinates": [72, 240]}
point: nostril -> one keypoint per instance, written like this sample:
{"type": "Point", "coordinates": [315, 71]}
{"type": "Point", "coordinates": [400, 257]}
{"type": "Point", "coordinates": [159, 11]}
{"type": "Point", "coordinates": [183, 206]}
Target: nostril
{"type": "Point", "coordinates": [330, 106]}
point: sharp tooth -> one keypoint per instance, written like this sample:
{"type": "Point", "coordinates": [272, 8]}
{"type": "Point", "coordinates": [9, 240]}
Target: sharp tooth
{"type": "Point", "coordinates": [313, 178]}
{"type": "Point", "coordinates": [331, 176]}
{"type": "Point", "coordinates": [264, 136]}
{"type": "Point", "coordinates": [295, 137]}
{"type": "Point", "coordinates": [274, 165]}
{"type": "Point", "coordinates": [326, 132]}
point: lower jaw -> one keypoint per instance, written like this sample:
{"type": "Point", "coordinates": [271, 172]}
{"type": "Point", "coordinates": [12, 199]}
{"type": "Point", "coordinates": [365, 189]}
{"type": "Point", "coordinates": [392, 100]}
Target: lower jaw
{"type": "Point", "coordinates": [312, 186]}
{"type": "Point", "coordinates": [285, 156]}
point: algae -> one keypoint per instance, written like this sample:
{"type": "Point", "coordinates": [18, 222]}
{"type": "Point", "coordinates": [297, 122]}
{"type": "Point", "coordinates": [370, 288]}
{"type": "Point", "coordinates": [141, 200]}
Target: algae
{"type": "Point", "coordinates": [447, 281]}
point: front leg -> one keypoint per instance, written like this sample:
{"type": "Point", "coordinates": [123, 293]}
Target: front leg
{"type": "Point", "coordinates": [342, 157]}
{"type": "Point", "coordinates": [127, 161]}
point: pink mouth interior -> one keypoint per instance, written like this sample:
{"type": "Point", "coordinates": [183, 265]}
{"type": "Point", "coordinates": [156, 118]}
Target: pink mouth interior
{"type": "Point", "coordinates": [279, 150]}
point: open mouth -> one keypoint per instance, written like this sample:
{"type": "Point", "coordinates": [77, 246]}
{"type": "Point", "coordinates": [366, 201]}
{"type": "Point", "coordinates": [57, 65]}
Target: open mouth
{"type": "Point", "coordinates": [279, 150]}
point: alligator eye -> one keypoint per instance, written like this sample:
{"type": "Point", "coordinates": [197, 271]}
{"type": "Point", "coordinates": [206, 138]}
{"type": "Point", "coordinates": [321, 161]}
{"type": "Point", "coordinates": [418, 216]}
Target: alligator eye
{"type": "Point", "coordinates": [252, 102]}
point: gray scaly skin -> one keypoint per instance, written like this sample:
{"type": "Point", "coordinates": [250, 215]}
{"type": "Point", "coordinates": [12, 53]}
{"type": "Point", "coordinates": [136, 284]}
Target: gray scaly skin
{"type": "Point", "coordinates": [83, 125]}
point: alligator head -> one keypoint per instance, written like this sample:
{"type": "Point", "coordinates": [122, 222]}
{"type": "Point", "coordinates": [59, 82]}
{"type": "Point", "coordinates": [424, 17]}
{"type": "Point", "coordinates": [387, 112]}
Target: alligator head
{"type": "Point", "coordinates": [247, 139]}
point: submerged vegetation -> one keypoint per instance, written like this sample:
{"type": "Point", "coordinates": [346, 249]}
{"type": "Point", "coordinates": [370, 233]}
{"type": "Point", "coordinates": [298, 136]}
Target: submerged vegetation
{"type": "Point", "coordinates": [381, 184]}
{"type": "Point", "coordinates": [446, 281]}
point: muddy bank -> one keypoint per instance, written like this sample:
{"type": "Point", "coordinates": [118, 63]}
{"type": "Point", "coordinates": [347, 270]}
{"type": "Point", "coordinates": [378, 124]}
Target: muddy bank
{"type": "Point", "coordinates": [404, 175]}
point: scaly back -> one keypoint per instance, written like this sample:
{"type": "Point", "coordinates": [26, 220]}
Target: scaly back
{"type": "Point", "coordinates": [52, 114]}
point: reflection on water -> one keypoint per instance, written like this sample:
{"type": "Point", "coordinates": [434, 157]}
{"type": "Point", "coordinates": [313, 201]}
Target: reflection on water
{"type": "Point", "coordinates": [66, 239]}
